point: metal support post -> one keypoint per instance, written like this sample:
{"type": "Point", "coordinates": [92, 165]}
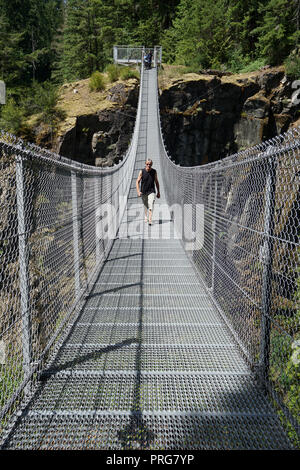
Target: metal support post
{"type": "Point", "coordinates": [194, 215]}
{"type": "Point", "coordinates": [97, 221]}
{"type": "Point", "coordinates": [115, 52]}
{"type": "Point", "coordinates": [155, 57]}
{"type": "Point", "coordinates": [267, 268]}
{"type": "Point", "coordinates": [24, 271]}
{"type": "Point", "coordinates": [2, 92]}
{"type": "Point", "coordinates": [214, 230]}
{"type": "Point", "coordinates": [75, 234]}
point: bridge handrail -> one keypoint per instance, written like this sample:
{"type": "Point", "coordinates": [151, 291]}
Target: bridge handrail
{"type": "Point", "coordinates": [53, 241]}
{"type": "Point", "coordinates": [248, 256]}
{"type": "Point", "coordinates": [133, 54]}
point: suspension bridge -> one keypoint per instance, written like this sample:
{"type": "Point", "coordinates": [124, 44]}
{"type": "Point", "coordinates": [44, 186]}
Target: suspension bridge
{"type": "Point", "coordinates": [119, 335]}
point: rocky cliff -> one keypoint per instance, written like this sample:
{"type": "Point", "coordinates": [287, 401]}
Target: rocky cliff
{"type": "Point", "coordinates": [98, 125]}
{"type": "Point", "coordinates": [204, 116]}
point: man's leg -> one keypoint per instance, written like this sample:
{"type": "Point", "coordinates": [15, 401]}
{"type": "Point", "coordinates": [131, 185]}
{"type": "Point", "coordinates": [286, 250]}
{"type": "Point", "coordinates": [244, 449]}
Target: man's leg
{"type": "Point", "coordinates": [145, 202]}
{"type": "Point", "coordinates": [151, 199]}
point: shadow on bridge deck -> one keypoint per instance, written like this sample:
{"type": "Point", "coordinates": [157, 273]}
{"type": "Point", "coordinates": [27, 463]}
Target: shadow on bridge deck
{"type": "Point", "coordinates": [149, 363]}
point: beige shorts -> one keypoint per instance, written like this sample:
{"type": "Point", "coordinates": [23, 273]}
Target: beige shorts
{"type": "Point", "coordinates": [148, 200]}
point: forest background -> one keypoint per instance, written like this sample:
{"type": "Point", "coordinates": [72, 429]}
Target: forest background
{"type": "Point", "coordinates": [45, 43]}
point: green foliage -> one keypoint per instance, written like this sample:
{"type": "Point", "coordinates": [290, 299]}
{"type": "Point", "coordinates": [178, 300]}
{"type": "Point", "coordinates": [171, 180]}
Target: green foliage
{"type": "Point", "coordinates": [67, 40]}
{"type": "Point", "coordinates": [275, 31]}
{"type": "Point", "coordinates": [11, 376]}
{"type": "Point", "coordinates": [12, 117]}
{"type": "Point", "coordinates": [149, 30]}
{"type": "Point", "coordinates": [12, 60]}
{"type": "Point", "coordinates": [113, 72]}
{"type": "Point", "coordinates": [168, 42]}
{"type": "Point", "coordinates": [185, 27]}
{"type": "Point", "coordinates": [82, 39]}
{"type": "Point", "coordinates": [252, 66]}
{"type": "Point", "coordinates": [237, 60]}
{"type": "Point", "coordinates": [285, 365]}
{"type": "Point", "coordinates": [231, 33]}
{"type": "Point", "coordinates": [292, 66]}
{"type": "Point", "coordinates": [27, 30]}
{"type": "Point", "coordinates": [97, 82]}
{"type": "Point", "coordinates": [45, 99]}
{"type": "Point", "coordinates": [127, 72]}
{"type": "Point", "coordinates": [40, 99]}
{"type": "Point", "coordinates": [241, 63]}
{"type": "Point", "coordinates": [241, 18]}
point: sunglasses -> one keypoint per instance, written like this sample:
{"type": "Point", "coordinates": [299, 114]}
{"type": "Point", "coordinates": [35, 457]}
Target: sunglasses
{"type": "Point", "coordinates": [148, 164]}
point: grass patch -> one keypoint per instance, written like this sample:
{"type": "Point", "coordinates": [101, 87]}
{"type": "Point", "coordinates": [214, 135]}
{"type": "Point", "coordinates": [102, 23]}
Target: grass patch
{"type": "Point", "coordinates": [253, 66]}
{"type": "Point", "coordinates": [126, 73]}
{"type": "Point", "coordinates": [11, 374]}
{"type": "Point", "coordinates": [113, 72]}
{"type": "Point", "coordinates": [97, 82]}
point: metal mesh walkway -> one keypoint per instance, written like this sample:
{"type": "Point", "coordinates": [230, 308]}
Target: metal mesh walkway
{"type": "Point", "coordinates": [149, 363]}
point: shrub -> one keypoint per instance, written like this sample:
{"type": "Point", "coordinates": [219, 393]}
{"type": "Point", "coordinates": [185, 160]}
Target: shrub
{"type": "Point", "coordinates": [292, 66]}
{"type": "Point", "coordinates": [192, 69]}
{"type": "Point", "coordinates": [127, 72]}
{"type": "Point", "coordinates": [252, 66]}
{"type": "Point", "coordinates": [113, 72]}
{"type": "Point", "coordinates": [41, 100]}
{"type": "Point", "coordinates": [12, 117]}
{"type": "Point", "coordinates": [240, 63]}
{"type": "Point", "coordinates": [44, 100]}
{"type": "Point", "coordinates": [97, 82]}
{"type": "Point", "coordinates": [237, 60]}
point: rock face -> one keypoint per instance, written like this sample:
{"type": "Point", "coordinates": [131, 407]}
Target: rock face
{"type": "Point", "coordinates": [102, 138]}
{"type": "Point", "coordinates": [204, 118]}
{"type": "Point", "coordinates": [207, 118]}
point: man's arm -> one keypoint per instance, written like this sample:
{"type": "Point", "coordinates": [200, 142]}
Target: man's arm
{"type": "Point", "coordinates": [157, 185]}
{"type": "Point", "coordinates": [137, 184]}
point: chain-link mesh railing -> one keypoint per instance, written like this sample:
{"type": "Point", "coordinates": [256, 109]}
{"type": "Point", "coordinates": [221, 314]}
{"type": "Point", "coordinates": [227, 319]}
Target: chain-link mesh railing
{"type": "Point", "coordinates": [239, 220]}
{"type": "Point", "coordinates": [133, 54]}
{"type": "Point", "coordinates": [243, 215]}
{"type": "Point", "coordinates": [55, 232]}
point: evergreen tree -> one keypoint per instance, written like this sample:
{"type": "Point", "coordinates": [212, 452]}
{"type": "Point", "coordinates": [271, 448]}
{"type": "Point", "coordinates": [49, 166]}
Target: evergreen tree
{"type": "Point", "coordinates": [167, 11]}
{"type": "Point", "coordinates": [28, 27]}
{"type": "Point", "coordinates": [213, 38]}
{"type": "Point", "coordinates": [153, 17]}
{"type": "Point", "coordinates": [276, 31]}
{"type": "Point", "coordinates": [200, 33]}
{"type": "Point", "coordinates": [70, 39]}
{"type": "Point", "coordinates": [83, 38]}
{"type": "Point", "coordinates": [296, 20]}
{"type": "Point", "coordinates": [12, 60]}
{"type": "Point", "coordinates": [177, 41]}
{"type": "Point", "coordinates": [242, 17]}
{"type": "Point", "coordinates": [57, 48]}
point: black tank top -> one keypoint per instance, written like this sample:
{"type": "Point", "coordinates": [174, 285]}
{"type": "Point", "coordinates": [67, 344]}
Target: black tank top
{"type": "Point", "coordinates": [148, 178]}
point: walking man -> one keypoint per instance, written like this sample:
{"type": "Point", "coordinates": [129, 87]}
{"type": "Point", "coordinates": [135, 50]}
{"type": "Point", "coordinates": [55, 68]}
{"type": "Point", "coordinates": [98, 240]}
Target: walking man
{"type": "Point", "coordinates": [148, 179]}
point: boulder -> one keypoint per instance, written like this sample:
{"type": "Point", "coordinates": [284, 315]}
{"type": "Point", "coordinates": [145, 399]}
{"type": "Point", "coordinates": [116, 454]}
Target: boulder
{"type": "Point", "coordinates": [269, 80]}
{"type": "Point", "coordinates": [256, 106]}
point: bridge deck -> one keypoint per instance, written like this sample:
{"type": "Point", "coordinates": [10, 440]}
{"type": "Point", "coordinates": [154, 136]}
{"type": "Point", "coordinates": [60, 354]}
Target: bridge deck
{"type": "Point", "coordinates": [149, 364]}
